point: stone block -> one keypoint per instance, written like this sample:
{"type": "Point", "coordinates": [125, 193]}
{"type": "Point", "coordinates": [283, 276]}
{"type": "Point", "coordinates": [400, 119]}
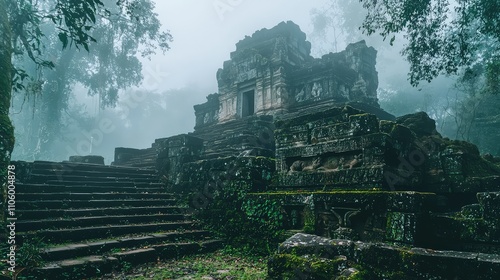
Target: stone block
{"type": "Point", "coordinates": [410, 201]}
{"type": "Point", "coordinates": [362, 124]}
{"type": "Point", "coordinates": [402, 227]}
{"type": "Point", "coordinates": [490, 204]}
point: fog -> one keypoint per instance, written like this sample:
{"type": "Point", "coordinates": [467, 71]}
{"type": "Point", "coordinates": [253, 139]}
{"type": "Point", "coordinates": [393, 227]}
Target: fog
{"type": "Point", "coordinates": [204, 34]}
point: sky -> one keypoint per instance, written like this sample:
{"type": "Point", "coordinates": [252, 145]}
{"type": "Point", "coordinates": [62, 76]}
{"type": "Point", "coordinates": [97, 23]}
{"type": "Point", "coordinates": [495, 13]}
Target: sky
{"type": "Point", "coordinates": [205, 32]}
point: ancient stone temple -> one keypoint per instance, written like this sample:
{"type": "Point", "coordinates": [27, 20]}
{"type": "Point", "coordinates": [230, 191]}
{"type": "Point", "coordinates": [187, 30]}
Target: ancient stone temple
{"type": "Point", "coordinates": [300, 143]}
{"type": "Point", "coordinates": [272, 72]}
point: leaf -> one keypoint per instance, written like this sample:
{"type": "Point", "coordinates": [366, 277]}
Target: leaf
{"type": "Point", "coordinates": [63, 38]}
{"type": "Point", "coordinates": [91, 16]}
{"type": "Point", "coordinates": [86, 46]}
{"type": "Point", "coordinates": [392, 40]}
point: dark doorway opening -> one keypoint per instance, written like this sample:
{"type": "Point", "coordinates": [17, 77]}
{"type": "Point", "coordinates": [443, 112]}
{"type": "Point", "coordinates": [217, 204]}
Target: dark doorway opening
{"type": "Point", "coordinates": [248, 104]}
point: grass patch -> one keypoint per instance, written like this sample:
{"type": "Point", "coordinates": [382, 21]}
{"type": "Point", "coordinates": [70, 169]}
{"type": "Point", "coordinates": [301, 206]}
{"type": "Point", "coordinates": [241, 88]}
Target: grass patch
{"type": "Point", "coordinates": [227, 263]}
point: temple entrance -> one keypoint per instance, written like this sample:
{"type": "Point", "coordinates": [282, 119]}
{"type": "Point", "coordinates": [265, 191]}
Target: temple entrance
{"type": "Point", "coordinates": [247, 103]}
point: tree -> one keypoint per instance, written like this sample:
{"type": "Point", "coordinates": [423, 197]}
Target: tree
{"type": "Point", "coordinates": [6, 129]}
{"type": "Point", "coordinates": [443, 36]}
{"type": "Point", "coordinates": [110, 66]}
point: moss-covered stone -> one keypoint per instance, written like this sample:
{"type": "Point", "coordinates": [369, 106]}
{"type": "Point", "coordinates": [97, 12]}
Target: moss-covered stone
{"type": "Point", "coordinates": [289, 266]}
{"type": "Point", "coordinates": [419, 122]}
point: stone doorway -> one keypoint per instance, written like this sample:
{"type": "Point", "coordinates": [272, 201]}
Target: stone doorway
{"type": "Point", "coordinates": [247, 103]}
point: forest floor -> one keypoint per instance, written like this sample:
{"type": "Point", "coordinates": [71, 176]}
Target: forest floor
{"type": "Point", "coordinates": [224, 264]}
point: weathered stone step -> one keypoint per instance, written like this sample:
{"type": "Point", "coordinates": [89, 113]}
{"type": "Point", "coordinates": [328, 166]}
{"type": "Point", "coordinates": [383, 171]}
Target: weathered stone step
{"type": "Point", "coordinates": [41, 165]}
{"type": "Point", "coordinates": [90, 173]}
{"type": "Point", "coordinates": [43, 224]}
{"type": "Point", "coordinates": [90, 212]}
{"type": "Point", "coordinates": [102, 246]}
{"type": "Point", "coordinates": [150, 157]}
{"type": "Point", "coordinates": [90, 196]}
{"type": "Point", "coordinates": [74, 204]}
{"type": "Point", "coordinates": [81, 179]}
{"type": "Point", "coordinates": [76, 269]}
{"type": "Point", "coordinates": [95, 265]}
{"type": "Point", "coordinates": [44, 188]}
{"type": "Point", "coordinates": [87, 233]}
{"type": "Point", "coordinates": [127, 183]}
{"type": "Point", "coordinates": [142, 164]}
{"type": "Point", "coordinates": [167, 251]}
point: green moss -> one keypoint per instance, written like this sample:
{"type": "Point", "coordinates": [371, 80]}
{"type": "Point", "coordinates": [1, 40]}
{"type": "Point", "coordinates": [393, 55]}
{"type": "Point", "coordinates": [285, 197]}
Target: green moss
{"type": "Point", "coordinates": [265, 158]}
{"type": "Point", "coordinates": [309, 221]}
{"type": "Point", "coordinates": [341, 192]}
{"type": "Point", "coordinates": [360, 115]}
{"type": "Point", "coordinates": [289, 266]}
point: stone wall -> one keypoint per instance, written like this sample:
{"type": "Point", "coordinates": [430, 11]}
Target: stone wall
{"type": "Point", "coordinates": [340, 148]}
{"type": "Point", "coordinates": [173, 152]}
{"type": "Point", "coordinates": [341, 77]}
{"type": "Point", "coordinates": [207, 113]}
{"type": "Point", "coordinates": [357, 215]}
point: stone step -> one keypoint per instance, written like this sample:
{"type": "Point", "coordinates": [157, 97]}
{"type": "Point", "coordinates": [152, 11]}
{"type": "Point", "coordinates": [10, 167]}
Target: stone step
{"type": "Point", "coordinates": [105, 184]}
{"type": "Point", "coordinates": [143, 164]}
{"type": "Point", "coordinates": [62, 223]}
{"type": "Point", "coordinates": [75, 204]}
{"type": "Point", "coordinates": [98, 265]}
{"type": "Point", "coordinates": [151, 157]}
{"type": "Point", "coordinates": [40, 165]}
{"type": "Point", "coordinates": [89, 196]}
{"type": "Point", "coordinates": [77, 250]}
{"type": "Point", "coordinates": [88, 233]}
{"type": "Point", "coordinates": [81, 179]}
{"type": "Point", "coordinates": [91, 212]}
{"type": "Point", "coordinates": [102, 217]}
{"type": "Point", "coordinates": [87, 173]}
{"type": "Point", "coordinates": [76, 269]}
{"type": "Point", "coordinates": [44, 188]}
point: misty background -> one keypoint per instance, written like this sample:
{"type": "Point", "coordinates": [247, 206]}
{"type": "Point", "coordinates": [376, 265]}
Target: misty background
{"type": "Point", "coordinates": [204, 34]}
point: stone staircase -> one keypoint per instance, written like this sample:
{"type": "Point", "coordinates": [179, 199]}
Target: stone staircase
{"type": "Point", "coordinates": [97, 218]}
{"type": "Point", "coordinates": [253, 133]}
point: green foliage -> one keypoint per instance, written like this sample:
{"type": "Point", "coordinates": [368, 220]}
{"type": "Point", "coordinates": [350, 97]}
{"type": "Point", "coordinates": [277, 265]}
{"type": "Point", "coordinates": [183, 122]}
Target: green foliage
{"type": "Point", "coordinates": [6, 145]}
{"type": "Point", "coordinates": [241, 223]}
{"type": "Point", "coordinates": [6, 128]}
{"type": "Point", "coordinates": [443, 36]}
{"type": "Point", "coordinates": [28, 256]}
{"type": "Point", "coordinates": [309, 221]}
{"type": "Point", "coordinates": [74, 23]}
{"type": "Point", "coordinates": [493, 77]}
{"type": "Point", "coordinates": [268, 216]}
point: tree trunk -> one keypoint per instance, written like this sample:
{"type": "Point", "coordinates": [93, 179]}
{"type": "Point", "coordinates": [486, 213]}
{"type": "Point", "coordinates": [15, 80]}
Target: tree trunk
{"type": "Point", "coordinates": [54, 102]}
{"type": "Point", "coordinates": [6, 129]}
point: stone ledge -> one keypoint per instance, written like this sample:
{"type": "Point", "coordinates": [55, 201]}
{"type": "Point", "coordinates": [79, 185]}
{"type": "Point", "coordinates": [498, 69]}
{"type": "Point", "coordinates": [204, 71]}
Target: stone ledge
{"type": "Point", "coordinates": [380, 260]}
